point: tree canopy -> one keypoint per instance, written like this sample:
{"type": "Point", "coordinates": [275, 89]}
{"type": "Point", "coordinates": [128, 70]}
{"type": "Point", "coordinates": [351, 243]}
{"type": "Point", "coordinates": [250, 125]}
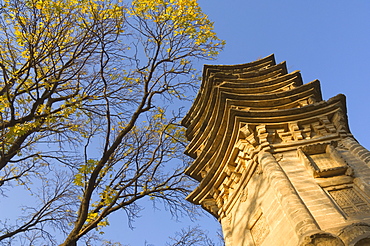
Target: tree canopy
{"type": "Point", "coordinates": [86, 122]}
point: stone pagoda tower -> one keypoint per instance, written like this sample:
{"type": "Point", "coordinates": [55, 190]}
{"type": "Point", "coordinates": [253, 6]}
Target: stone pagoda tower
{"type": "Point", "coordinates": [277, 165]}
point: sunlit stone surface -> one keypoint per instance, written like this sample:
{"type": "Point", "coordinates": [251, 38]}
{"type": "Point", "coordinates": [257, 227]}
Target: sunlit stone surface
{"type": "Point", "coordinates": [276, 164]}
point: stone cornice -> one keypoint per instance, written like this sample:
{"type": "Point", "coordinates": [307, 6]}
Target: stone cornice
{"type": "Point", "coordinates": [217, 157]}
{"type": "Point", "coordinates": [219, 124]}
{"type": "Point", "coordinates": [223, 100]}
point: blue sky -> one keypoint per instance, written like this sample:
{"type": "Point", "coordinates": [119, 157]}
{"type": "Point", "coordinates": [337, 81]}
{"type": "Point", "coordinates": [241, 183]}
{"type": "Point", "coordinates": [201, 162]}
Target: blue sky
{"type": "Point", "coordinates": [326, 40]}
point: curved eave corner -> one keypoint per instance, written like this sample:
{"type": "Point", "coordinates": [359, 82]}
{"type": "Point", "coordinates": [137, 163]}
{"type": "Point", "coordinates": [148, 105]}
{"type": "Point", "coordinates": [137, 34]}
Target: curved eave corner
{"type": "Point", "coordinates": [209, 69]}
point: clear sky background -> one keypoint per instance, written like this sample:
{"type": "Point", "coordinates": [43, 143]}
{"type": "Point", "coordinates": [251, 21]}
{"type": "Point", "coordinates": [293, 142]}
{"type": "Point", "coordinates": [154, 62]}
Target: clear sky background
{"type": "Point", "coordinates": [326, 39]}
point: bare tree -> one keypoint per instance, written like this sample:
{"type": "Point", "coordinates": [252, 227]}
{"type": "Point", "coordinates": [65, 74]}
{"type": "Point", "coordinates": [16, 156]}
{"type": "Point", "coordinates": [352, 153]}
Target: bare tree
{"type": "Point", "coordinates": [193, 236]}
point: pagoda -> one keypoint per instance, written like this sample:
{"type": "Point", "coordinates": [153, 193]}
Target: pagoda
{"type": "Point", "coordinates": [276, 164]}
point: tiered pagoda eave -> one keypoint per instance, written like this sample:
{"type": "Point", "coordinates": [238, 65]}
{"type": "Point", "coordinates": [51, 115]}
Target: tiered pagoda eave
{"type": "Point", "coordinates": [255, 127]}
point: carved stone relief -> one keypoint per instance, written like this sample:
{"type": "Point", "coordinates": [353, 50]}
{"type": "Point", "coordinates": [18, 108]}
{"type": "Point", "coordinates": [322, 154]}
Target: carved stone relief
{"type": "Point", "coordinates": [211, 205]}
{"type": "Point", "coordinates": [260, 230]}
{"type": "Point", "coordinates": [278, 157]}
{"type": "Point", "coordinates": [349, 201]}
{"type": "Point", "coordinates": [244, 195]}
{"type": "Point", "coordinates": [332, 172]}
{"type": "Point", "coordinates": [259, 134]}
